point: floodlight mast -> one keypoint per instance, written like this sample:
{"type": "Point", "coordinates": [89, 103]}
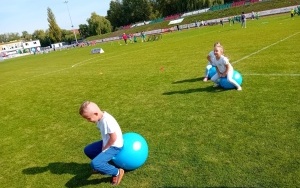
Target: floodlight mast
{"type": "Point", "coordinates": [66, 2]}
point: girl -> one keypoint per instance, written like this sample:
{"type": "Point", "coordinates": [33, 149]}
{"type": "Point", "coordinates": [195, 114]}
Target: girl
{"type": "Point", "coordinates": [224, 68]}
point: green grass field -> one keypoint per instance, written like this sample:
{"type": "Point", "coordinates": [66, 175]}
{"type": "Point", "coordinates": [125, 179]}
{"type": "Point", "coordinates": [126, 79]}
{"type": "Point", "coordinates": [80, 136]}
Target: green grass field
{"type": "Point", "coordinates": [198, 136]}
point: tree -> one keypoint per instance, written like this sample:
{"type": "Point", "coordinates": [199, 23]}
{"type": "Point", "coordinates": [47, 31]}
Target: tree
{"type": "Point", "coordinates": [84, 30]}
{"type": "Point", "coordinates": [26, 36]}
{"type": "Point", "coordinates": [194, 5]}
{"type": "Point", "coordinates": [54, 30]}
{"type": "Point", "coordinates": [168, 7]}
{"type": "Point", "coordinates": [11, 36]}
{"type": "Point", "coordinates": [171, 7]}
{"type": "Point", "coordinates": [42, 36]}
{"type": "Point", "coordinates": [154, 10]}
{"type": "Point", "coordinates": [217, 2]}
{"type": "Point", "coordinates": [126, 12]}
{"type": "Point", "coordinates": [98, 25]}
{"type": "Point", "coordinates": [207, 3]}
{"type": "Point", "coordinates": [2, 38]}
{"type": "Point", "coordinates": [136, 10]}
{"type": "Point", "coordinates": [67, 36]}
{"type": "Point", "coordinates": [115, 14]}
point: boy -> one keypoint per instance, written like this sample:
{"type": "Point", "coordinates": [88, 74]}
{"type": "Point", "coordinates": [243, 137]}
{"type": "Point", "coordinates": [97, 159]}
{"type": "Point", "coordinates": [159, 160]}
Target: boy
{"type": "Point", "coordinates": [103, 151]}
{"type": "Point", "coordinates": [210, 57]}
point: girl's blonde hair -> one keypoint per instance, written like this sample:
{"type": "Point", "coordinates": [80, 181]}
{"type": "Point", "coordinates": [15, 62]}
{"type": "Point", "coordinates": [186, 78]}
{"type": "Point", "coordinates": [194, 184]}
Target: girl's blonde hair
{"type": "Point", "coordinates": [217, 44]}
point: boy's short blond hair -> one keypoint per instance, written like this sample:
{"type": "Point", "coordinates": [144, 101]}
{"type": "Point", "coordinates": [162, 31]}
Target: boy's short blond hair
{"type": "Point", "coordinates": [88, 106]}
{"type": "Point", "coordinates": [83, 107]}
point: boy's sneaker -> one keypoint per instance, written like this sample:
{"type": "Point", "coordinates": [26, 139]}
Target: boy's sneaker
{"type": "Point", "coordinates": [239, 88]}
{"type": "Point", "coordinates": [117, 179]}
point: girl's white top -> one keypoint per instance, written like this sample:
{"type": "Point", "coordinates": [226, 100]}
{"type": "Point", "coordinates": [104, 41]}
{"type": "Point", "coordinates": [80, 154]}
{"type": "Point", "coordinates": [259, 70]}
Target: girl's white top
{"type": "Point", "coordinates": [221, 64]}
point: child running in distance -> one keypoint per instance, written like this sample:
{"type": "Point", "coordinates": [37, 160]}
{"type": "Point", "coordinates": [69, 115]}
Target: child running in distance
{"type": "Point", "coordinates": [224, 68]}
{"type": "Point", "coordinates": [101, 152]}
{"type": "Point", "coordinates": [210, 57]}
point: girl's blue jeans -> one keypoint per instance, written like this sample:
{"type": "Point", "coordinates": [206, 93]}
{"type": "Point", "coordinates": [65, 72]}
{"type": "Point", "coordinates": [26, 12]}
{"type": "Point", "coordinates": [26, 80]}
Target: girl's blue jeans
{"type": "Point", "coordinates": [100, 159]}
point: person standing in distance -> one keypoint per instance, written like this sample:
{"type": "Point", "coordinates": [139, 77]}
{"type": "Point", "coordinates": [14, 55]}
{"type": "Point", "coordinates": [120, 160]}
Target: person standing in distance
{"type": "Point", "coordinates": [124, 36]}
{"type": "Point", "coordinates": [243, 19]}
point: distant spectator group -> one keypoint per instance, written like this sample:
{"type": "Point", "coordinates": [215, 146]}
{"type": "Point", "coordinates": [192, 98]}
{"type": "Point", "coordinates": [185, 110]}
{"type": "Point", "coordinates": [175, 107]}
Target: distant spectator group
{"type": "Point", "coordinates": [295, 11]}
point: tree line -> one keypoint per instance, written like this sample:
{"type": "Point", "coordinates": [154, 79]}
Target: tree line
{"type": "Point", "coordinates": [120, 13]}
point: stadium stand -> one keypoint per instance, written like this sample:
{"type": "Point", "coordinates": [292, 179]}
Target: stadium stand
{"type": "Point", "coordinates": [254, 1]}
{"type": "Point", "coordinates": [238, 3]}
{"type": "Point", "coordinates": [172, 17]}
{"type": "Point", "coordinates": [157, 20]}
{"type": "Point", "coordinates": [220, 7]}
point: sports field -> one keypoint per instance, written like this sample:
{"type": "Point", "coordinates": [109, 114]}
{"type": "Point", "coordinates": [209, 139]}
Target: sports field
{"type": "Point", "coordinates": [198, 136]}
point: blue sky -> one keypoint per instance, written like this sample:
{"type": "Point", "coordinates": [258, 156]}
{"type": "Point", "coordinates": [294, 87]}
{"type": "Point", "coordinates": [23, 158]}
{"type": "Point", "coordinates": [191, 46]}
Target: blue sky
{"type": "Point", "coordinates": [30, 15]}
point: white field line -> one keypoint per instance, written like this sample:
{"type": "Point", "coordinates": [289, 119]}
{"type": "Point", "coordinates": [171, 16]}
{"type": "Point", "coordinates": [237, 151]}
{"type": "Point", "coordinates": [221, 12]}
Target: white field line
{"type": "Point", "coordinates": [39, 75]}
{"type": "Point", "coordinates": [81, 62]}
{"type": "Point", "coordinates": [274, 74]}
{"type": "Point", "coordinates": [87, 60]}
{"type": "Point", "coordinates": [32, 77]}
{"type": "Point", "coordinates": [84, 62]}
{"type": "Point", "coordinates": [264, 48]}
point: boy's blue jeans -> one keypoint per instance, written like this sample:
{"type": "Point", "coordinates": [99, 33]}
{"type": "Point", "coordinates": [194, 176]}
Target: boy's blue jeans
{"type": "Point", "coordinates": [100, 160]}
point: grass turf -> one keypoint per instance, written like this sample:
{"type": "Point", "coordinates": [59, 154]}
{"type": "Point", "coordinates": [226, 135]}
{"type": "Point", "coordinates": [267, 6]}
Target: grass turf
{"type": "Point", "coordinates": [198, 136]}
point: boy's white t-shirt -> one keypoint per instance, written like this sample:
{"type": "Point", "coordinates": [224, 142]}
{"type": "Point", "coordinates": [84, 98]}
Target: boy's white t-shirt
{"type": "Point", "coordinates": [221, 63]}
{"type": "Point", "coordinates": [107, 125]}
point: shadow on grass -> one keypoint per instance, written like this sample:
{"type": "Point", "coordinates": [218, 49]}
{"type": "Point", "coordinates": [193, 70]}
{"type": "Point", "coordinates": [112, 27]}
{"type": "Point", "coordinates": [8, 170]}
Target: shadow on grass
{"type": "Point", "coordinates": [81, 173]}
{"type": "Point", "coordinates": [188, 80]}
{"type": "Point", "coordinates": [194, 90]}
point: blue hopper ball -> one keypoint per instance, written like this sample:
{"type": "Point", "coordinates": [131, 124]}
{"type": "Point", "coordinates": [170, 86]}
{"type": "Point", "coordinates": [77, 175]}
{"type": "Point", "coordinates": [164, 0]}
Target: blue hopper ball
{"type": "Point", "coordinates": [227, 85]}
{"type": "Point", "coordinates": [134, 152]}
{"type": "Point", "coordinates": [212, 71]}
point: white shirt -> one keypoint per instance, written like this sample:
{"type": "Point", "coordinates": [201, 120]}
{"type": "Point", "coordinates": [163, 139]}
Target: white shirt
{"type": "Point", "coordinates": [107, 124]}
{"type": "Point", "coordinates": [221, 63]}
